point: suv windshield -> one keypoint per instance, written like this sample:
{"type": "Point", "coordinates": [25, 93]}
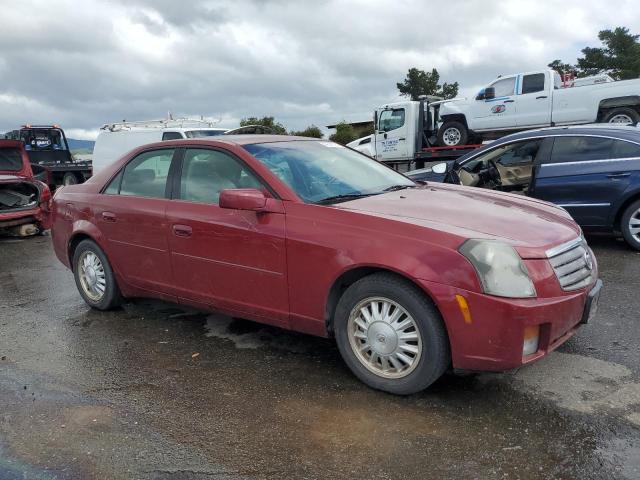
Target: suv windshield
{"type": "Point", "coordinates": [325, 172]}
{"type": "Point", "coordinates": [10, 159]}
{"type": "Point", "coordinates": [203, 133]}
{"type": "Point", "coordinates": [43, 139]}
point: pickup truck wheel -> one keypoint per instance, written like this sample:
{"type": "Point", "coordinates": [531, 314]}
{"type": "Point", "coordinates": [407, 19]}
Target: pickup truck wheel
{"type": "Point", "coordinates": [622, 115]}
{"type": "Point", "coordinates": [391, 335]}
{"type": "Point", "coordinates": [452, 134]}
{"type": "Point", "coordinates": [630, 225]}
{"type": "Point", "coordinates": [94, 277]}
{"type": "Point", "coordinates": [69, 178]}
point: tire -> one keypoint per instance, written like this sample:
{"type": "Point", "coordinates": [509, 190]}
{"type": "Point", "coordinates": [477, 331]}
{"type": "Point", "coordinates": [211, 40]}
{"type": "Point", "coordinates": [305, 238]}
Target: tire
{"type": "Point", "coordinates": [69, 178]}
{"type": "Point", "coordinates": [110, 297]}
{"type": "Point", "coordinates": [426, 324]}
{"type": "Point", "coordinates": [623, 115]}
{"type": "Point", "coordinates": [631, 219]}
{"type": "Point", "coordinates": [452, 133]}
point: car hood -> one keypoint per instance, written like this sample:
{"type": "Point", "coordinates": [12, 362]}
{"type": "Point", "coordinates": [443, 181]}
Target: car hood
{"type": "Point", "coordinates": [531, 226]}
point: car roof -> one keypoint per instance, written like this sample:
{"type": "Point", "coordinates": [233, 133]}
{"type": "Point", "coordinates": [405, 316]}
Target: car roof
{"type": "Point", "coordinates": [251, 139]}
{"type": "Point", "coordinates": [626, 132]}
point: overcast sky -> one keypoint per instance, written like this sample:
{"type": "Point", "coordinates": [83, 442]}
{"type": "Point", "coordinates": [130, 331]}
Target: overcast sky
{"type": "Point", "coordinates": [85, 63]}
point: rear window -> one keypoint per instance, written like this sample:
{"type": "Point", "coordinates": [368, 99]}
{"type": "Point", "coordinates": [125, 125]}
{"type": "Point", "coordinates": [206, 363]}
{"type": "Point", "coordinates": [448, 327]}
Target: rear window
{"type": "Point", "coordinates": [43, 139]}
{"type": "Point", "coordinates": [580, 149]}
{"type": "Point", "coordinates": [10, 159]}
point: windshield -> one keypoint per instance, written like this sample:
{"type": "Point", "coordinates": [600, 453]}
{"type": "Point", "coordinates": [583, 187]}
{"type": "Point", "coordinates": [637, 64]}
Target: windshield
{"type": "Point", "coordinates": [43, 139]}
{"type": "Point", "coordinates": [325, 172]}
{"type": "Point", "coordinates": [203, 133]}
{"type": "Point", "coordinates": [10, 159]}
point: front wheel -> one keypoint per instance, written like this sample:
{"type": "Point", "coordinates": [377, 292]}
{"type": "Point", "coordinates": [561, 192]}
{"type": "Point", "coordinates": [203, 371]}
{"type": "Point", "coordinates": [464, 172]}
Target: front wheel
{"type": "Point", "coordinates": [69, 178]}
{"type": "Point", "coordinates": [630, 225]}
{"type": "Point", "coordinates": [452, 134]}
{"type": "Point", "coordinates": [94, 277]}
{"type": "Point", "coordinates": [391, 335]}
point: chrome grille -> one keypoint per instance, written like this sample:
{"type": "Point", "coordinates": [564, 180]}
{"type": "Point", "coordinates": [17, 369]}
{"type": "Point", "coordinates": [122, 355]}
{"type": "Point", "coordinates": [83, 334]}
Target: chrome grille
{"type": "Point", "coordinates": [573, 264]}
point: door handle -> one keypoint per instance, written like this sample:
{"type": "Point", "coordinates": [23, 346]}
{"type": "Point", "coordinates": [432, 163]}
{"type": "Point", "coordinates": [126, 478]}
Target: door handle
{"type": "Point", "coordinates": [508, 101]}
{"type": "Point", "coordinates": [618, 175]}
{"type": "Point", "coordinates": [182, 230]}
{"type": "Point", "coordinates": [109, 217]}
{"type": "Point", "coordinates": [402, 138]}
{"type": "Point", "coordinates": [541, 96]}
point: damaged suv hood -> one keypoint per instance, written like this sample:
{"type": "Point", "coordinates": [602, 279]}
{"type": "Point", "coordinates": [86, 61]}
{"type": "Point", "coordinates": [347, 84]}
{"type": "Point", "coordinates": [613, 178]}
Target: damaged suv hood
{"type": "Point", "coordinates": [531, 226]}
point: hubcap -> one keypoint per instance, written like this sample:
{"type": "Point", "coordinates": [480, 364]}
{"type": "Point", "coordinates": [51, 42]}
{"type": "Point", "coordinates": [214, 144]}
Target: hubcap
{"type": "Point", "coordinates": [92, 276]}
{"type": "Point", "coordinates": [451, 136]}
{"type": "Point", "coordinates": [621, 118]}
{"type": "Point", "coordinates": [384, 337]}
{"type": "Point", "coordinates": [634, 225]}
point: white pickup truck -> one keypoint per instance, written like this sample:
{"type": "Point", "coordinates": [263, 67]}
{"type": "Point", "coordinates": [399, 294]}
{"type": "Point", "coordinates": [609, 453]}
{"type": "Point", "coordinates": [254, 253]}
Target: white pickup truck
{"type": "Point", "coordinates": [537, 99]}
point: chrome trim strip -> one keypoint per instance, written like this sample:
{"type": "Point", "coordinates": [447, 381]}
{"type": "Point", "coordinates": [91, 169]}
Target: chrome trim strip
{"type": "Point", "coordinates": [564, 205]}
{"type": "Point", "coordinates": [552, 252]}
{"type": "Point", "coordinates": [580, 162]}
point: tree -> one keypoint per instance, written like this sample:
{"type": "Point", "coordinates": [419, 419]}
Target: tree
{"type": "Point", "coordinates": [310, 131]}
{"type": "Point", "coordinates": [619, 56]}
{"type": "Point", "coordinates": [418, 82]}
{"type": "Point", "coordinates": [561, 68]}
{"type": "Point", "coordinates": [344, 133]}
{"type": "Point", "coordinates": [270, 122]}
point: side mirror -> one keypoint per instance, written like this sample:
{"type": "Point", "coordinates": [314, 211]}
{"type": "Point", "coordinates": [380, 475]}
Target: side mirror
{"type": "Point", "coordinates": [243, 199]}
{"type": "Point", "coordinates": [489, 93]}
{"type": "Point", "coordinates": [439, 168]}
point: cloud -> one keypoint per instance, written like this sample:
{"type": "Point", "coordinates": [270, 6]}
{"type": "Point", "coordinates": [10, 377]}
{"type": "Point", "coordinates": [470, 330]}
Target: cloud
{"type": "Point", "coordinates": [83, 65]}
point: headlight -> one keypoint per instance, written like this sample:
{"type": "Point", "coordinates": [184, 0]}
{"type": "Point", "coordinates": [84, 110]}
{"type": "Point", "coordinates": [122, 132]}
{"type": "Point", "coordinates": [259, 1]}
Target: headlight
{"type": "Point", "coordinates": [499, 268]}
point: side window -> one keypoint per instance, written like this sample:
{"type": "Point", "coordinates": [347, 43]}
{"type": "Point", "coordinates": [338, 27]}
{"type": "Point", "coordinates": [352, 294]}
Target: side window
{"type": "Point", "coordinates": [504, 87]}
{"type": "Point", "coordinates": [114, 186]}
{"type": "Point", "coordinates": [146, 175]}
{"type": "Point", "coordinates": [533, 83]}
{"type": "Point", "coordinates": [205, 173]}
{"type": "Point", "coordinates": [577, 149]}
{"type": "Point", "coordinates": [391, 119]}
{"type": "Point", "coordinates": [171, 136]}
{"type": "Point", "coordinates": [626, 149]}
{"type": "Point", "coordinates": [519, 153]}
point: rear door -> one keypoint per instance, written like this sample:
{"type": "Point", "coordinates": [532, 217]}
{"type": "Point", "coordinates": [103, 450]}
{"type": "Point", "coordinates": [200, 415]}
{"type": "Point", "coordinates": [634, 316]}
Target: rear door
{"type": "Point", "coordinates": [534, 100]}
{"type": "Point", "coordinates": [587, 175]}
{"type": "Point", "coordinates": [131, 213]}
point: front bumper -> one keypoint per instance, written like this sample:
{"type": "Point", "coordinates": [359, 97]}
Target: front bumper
{"type": "Point", "coordinates": [493, 339]}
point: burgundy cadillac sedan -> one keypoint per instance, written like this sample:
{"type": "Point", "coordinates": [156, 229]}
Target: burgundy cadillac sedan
{"type": "Point", "coordinates": [304, 234]}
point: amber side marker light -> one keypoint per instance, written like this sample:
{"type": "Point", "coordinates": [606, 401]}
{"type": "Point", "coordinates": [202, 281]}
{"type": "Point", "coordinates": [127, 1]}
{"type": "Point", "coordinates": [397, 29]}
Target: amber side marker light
{"type": "Point", "coordinates": [531, 338]}
{"type": "Point", "coordinates": [464, 308]}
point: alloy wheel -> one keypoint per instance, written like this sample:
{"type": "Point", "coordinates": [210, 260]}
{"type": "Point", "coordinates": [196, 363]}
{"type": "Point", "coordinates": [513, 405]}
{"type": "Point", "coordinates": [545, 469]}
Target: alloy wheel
{"type": "Point", "coordinates": [634, 225]}
{"type": "Point", "coordinates": [384, 337]}
{"type": "Point", "coordinates": [621, 118]}
{"type": "Point", "coordinates": [92, 276]}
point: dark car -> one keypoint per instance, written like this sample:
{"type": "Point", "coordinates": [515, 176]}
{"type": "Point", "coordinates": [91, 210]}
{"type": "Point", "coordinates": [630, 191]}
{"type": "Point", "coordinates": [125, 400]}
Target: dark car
{"type": "Point", "coordinates": [593, 172]}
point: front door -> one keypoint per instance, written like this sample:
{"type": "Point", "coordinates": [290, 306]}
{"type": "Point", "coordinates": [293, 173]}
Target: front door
{"type": "Point", "coordinates": [586, 175]}
{"type": "Point", "coordinates": [391, 136]}
{"type": "Point", "coordinates": [131, 215]}
{"type": "Point", "coordinates": [229, 259]}
{"type": "Point", "coordinates": [497, 112]}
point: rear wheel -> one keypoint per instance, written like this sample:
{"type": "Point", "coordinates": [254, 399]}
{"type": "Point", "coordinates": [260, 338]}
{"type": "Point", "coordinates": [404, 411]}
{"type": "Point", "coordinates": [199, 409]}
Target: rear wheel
{"type": "Point", "coordinates": [69, 178]}
{"type": "Point", "coordinates": [623, 115]}
{"type": "Point", "coordinates": [94, 277]}
{"type": "Point", "coordinates": [391, 335]}
{"type": "Point", "coordinates": [630, 225]}
{"type": "Point", "coordinates": [452, 133]}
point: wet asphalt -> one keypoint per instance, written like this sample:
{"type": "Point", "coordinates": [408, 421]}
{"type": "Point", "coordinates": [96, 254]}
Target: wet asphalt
{"type": "Point", "coordinates": [154, 392]}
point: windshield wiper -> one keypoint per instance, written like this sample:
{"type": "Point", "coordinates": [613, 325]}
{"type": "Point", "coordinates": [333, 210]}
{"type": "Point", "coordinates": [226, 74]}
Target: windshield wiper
{"type": "Point", "coordinates": [393, 188]}
{"type": "Point", "coordinates": [343, 198]}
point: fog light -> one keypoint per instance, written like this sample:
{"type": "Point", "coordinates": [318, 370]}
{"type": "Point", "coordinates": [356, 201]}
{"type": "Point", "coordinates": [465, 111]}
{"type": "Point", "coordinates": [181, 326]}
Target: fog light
{"type": "Point", "coordinates": [531, 336]}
